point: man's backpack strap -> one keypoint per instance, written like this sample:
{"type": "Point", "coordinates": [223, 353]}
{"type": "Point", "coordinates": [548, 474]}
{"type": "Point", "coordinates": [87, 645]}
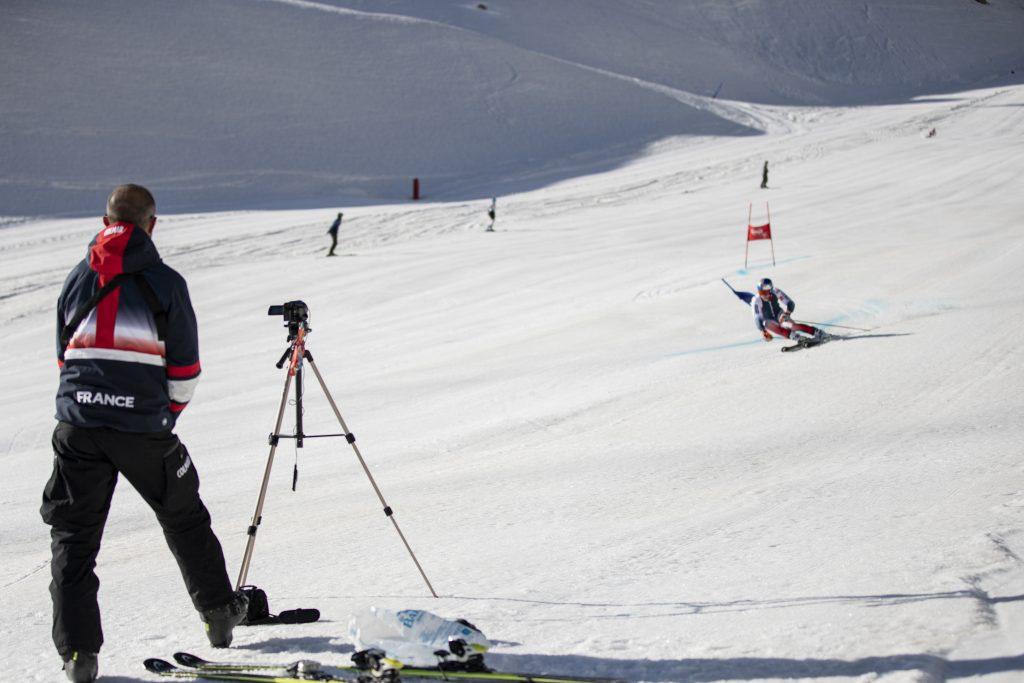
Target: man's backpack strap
{"type": "Point", "coordinates": [159, 314]}
{"type": "Point", "coordinates": [70, 326]}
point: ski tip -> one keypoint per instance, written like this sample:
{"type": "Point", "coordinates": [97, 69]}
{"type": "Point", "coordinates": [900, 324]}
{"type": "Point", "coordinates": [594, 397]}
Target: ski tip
{"type": "Point", "coordinates": [158, 666]}
{"type": "Point", "coordinates": [188, 659]}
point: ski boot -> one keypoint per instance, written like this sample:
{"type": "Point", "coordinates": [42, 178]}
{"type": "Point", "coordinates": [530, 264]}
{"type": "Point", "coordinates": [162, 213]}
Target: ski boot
{"type": "Point", "coordinates": [309, 669]}
{"type": "Point", "coordinates": [221, 621]}
{"type": "Point", "coordinates": [799, 337]}
{"type": "Point", "coordinates": [461, 656]}
{"type": "Point", "coordinates": [376, 663]}
{"type": "Point", "coordinates": [81, 667]}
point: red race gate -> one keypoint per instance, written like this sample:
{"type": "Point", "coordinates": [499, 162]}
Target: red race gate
{"type": "Point", "coordinates": [758, 232]}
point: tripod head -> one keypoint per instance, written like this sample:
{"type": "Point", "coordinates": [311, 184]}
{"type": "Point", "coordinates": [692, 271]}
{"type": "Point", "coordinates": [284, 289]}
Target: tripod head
{"type": "Point", "coordinates": [295, 314]}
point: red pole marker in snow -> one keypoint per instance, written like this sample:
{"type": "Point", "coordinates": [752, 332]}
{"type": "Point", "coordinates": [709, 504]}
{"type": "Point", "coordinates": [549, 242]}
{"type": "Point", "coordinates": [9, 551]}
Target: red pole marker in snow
{"type": "Point", "coordinates": [415, 188]}
{"type": "Point", "coordinates": [758, 232]}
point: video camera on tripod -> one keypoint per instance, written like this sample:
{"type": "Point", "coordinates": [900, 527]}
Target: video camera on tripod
{"type": "Point", "coordinates": [295, 314]}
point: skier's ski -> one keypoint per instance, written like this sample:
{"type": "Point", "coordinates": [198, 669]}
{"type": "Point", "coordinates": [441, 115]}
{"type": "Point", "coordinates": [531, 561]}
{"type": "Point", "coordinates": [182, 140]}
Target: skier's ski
{"type": "Point", "coordinates": [168, 670]}
{"type": "Point", "coordinates": [202, 665]}
{"type": "Point", "coordinates": [796, 347]}
{"type": "Point", "coordinates": [804, 344]}
{"type": "Point", "coordinates": [192, 661]}
{"type": "Point", "coordinates": [301, 667]}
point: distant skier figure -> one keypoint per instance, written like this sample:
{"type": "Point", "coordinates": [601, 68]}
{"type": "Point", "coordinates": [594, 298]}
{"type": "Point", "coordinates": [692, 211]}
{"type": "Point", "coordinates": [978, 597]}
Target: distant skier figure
{"type": "Point", "coordinates": [333, 232]}
{"type": "Point", "coordinates": [491, 213]}
{"type": "Point", "coordinates": [932, 133]}
{"type": "Point", "coordinates": [772, 310]}
{"type": "Point", "coordinates": [764, 176]}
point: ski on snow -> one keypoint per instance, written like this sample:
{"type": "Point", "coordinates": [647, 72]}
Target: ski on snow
{"type": "Point", "coordinates": [310, 670]}
{"type": "Point", "coordinates": [806, 344]}
{"type": "Point", "coordinates": [167, 670]}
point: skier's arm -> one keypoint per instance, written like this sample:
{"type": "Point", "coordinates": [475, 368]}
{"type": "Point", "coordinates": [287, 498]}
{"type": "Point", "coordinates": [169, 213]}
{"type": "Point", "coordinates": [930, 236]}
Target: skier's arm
{"type": "Point", "coordinates": [788, 303]}
{"type": "Point", "coordinates": [182, 346]}
{"type": "Point", "coordinates": [60, 325]}
{"type": "Point", "coordinates": [755, 306]}
{"type": "Point", "coordinates": [62, 317]}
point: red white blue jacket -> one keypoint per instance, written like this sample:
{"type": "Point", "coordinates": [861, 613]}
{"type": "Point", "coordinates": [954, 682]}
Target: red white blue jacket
{"type": "Point", "coordinates": [116, 372]}
{"type": "Point", "coordinates": [777, 304]}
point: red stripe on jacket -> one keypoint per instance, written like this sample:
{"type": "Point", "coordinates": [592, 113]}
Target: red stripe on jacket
{"type": "Point", "coordinates": [106, 318]}
{"type": "Point", "coordinates": [106, 257]}
{"type": "Point", "coordinates": [183, 371]}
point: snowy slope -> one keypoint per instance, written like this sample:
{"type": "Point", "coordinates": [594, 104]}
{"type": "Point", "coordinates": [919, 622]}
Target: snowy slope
{"type": "Point", "coordinates": [596, 458]}
{"type": "Point", "coordinates": [799, 51]}
{"type": "Point", "coordinates": [287, 103]}
{"type": "Point", "coordinates": [581, 433]}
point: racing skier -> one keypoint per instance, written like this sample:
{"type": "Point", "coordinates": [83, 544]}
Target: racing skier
{"type": "Point", "coordinates": [772, 310]}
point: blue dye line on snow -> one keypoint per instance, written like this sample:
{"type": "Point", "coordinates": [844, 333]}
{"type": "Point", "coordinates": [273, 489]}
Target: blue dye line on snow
{"type": "Point", "coordinates": [708, 349]}
{"type": "Point", "coordinates": [764, 266]}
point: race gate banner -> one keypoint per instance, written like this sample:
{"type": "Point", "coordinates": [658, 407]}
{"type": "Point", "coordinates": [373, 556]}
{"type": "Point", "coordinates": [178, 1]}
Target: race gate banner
{"type": "Point", "coordinates": [759, 232]}
{"type": "Point", "coordinates": [756, 233]}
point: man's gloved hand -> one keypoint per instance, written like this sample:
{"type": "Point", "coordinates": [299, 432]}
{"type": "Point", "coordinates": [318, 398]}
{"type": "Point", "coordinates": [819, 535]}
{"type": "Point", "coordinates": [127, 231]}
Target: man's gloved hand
{"type": "Point", "coordinates": [767, 335]}
{"type": "Point", "coordinates": [784, 317]}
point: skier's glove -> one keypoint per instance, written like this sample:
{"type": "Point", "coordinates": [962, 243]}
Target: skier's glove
{"type": "Point", "coordinates": [767, 335]}
{"type": "Point", "coordinates": [784, 317]}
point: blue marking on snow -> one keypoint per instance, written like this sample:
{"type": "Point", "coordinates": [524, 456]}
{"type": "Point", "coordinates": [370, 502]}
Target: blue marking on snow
{"type": "Point", "coordinates": [764, 266]}
{"type": "Point", "coordinates": [869, 309]}
{"type": "Point", "coordinates": [720, 347]}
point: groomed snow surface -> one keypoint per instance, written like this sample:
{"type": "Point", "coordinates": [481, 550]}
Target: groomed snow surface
{"type": "Point", "coordinates": [595, 456]}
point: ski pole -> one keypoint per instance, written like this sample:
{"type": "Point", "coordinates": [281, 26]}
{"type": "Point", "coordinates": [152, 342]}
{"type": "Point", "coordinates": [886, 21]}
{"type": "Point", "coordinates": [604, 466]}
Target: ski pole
{"type": "Point", "coordinates": [845, 327]}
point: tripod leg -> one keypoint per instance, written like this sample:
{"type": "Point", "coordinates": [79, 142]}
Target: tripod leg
{"type": "Point", "coordinates": [257, 516]}
{"type": "Point", "coordinates": [298, 406]}
{"type": "Point", "coordinates": [352, 441]}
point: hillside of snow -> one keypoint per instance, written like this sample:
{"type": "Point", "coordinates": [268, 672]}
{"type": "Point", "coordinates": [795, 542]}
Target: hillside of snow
{"type": "Point", "coordinates": [595, 456]}
{"type": "Point", "coordinates": [237, 104]}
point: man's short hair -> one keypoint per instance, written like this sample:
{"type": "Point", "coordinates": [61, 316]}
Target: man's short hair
{"type": "Point", "coordinates": [131, 203]}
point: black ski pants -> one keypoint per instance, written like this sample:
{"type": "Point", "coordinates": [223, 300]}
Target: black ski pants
{"type": "Point", "coordinates": [76, 501]}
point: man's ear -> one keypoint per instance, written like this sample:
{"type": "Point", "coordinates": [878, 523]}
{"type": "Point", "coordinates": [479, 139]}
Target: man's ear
{"type": "Point", "coordinates": [106, 220]}
{"type": "Point", "coordinates": [152, 224]}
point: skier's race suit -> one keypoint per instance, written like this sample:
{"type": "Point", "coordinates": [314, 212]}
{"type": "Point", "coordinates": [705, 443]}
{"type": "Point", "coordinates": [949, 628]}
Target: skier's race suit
{"type": "Point", "coordinates": [772, 314]}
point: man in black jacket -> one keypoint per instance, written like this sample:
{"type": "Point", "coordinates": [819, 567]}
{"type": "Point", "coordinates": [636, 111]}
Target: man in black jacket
{"type": "Point", "coordinates": [333, 232]}
{"type": "Point", "coordinates": [128, 352]}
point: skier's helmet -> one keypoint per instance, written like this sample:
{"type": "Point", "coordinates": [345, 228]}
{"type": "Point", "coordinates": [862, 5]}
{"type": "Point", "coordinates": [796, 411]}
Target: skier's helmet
{"type": "Point", "coordinates": [764, 287]}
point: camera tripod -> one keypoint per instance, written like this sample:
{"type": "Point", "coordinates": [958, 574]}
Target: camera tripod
{"type": "Point", "coordinates": [296, 355]}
